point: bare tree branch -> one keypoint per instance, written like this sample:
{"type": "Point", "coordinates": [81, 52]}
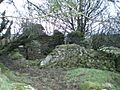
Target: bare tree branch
{"type": "Point", "coordinates": [1, 1]}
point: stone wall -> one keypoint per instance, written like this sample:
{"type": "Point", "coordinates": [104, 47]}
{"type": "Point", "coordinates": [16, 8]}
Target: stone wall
{"type": "Point", "coordinates": [114, 53]}
{"type": "Point", "coordinates": [72, 55]}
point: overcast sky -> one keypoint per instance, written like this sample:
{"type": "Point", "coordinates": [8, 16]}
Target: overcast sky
{"type": "Point", "coordinates": [11, 11]}
{"type": "Point", "coordinates": [19, 4]}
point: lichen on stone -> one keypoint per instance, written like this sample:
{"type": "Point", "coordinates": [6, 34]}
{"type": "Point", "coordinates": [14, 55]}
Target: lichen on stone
{"type": "Point", "coordinates": [73, 55]}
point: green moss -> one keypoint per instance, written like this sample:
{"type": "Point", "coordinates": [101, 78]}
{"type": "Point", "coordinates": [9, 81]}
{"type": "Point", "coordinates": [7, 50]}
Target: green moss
{"type": "Point", "coordinates": [16, 56]}
{"type": "Point", "coordinates": [72, 55]}
{"type": "Point", "coordinates": [91, 86]}
{"type": "Point", "coordinates": [19, 86]}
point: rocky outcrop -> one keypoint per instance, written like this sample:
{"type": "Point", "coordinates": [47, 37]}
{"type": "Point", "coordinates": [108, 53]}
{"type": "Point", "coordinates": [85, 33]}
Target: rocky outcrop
{"type": "Point", "coordinates": [72, 55]}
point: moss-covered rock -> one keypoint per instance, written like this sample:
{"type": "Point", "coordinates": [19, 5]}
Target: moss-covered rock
{"type": "Point", "coordinates": [72, 55]}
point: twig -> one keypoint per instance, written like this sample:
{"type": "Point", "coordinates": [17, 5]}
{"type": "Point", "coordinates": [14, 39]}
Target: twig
{"type": "Point", "coordinates": [38, 17]}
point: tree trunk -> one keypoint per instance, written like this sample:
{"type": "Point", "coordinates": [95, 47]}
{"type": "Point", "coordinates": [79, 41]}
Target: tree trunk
{"type": "Point", "coordinates": [80, 21]}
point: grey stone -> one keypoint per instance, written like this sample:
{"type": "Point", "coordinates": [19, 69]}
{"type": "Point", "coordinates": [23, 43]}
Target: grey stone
{"type": "Point", "coordinates": [46, 61]}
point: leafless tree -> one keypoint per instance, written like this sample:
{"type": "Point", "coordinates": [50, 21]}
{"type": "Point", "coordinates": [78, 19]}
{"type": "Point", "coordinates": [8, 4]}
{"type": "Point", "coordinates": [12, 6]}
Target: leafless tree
{"type": "Point", "coordinates": [71, 15]}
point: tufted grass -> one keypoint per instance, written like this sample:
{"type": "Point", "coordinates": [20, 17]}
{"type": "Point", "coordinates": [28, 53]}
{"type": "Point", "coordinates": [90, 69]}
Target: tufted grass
{"type": "Point", "coordinates": [5, 83]}
{"type": "Point", "coordinates": [81, 75]}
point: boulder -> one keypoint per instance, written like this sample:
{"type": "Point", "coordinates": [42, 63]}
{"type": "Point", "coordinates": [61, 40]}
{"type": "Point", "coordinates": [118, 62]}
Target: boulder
{"type": "Point", "coordinates": [47, 60]}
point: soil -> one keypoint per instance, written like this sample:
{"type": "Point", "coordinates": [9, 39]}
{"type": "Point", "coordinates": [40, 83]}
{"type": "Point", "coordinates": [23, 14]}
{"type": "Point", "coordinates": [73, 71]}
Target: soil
{"type": "Point", "coordinates": [42, 79]}
{"type": "Point", "coordinates": [49, 79]}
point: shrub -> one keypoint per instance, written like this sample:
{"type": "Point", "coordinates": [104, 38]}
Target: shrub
{"type": "Point", "coordinates": [75, 37]}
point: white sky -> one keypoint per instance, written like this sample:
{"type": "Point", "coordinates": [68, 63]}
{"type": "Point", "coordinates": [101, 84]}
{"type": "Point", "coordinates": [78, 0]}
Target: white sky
{"type": "Point", "coordinates": [11, 11]}
{"type": "Point", "coordinates": [18, 3]}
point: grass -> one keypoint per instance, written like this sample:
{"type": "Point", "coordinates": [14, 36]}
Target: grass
{"type": "Point", "coordinates": [82, 75]}
{"type": "Point", "coordinates": [9, 81]}
{"type": "Point", "coordinates": [5, 83]}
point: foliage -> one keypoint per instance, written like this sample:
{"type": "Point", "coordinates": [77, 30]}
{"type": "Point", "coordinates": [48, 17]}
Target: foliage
{"type": "Point", "coordinates": [42, 45]}
{"type": "Point", "coordinates": [30, 32]}
{"type": "Point", "coordinates": [32, 29]}
{"type": "Point", "coordinates": [75, 37]}
{"type": "Point", "coordinates": [99, 40]}
{"type": "Point", "coordinates": [72, 11]}
{"type": "Point", "coordinates": [70, 15]}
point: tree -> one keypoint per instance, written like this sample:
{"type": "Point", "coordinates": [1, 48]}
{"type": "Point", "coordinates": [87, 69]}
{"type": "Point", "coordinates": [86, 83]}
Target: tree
{"type": "Point", "coordinates": [72, 15]}
{"type": "Point", "coordinates": [1, 1]}
{"type": "Point", "coordinates": [5, 38]}
{"type": "Point", "coordinates": [109, 33]}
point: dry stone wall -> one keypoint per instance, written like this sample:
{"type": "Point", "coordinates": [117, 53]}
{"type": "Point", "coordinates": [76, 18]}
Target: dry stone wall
{"type": "Point", "coordinates": [72, 55]}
